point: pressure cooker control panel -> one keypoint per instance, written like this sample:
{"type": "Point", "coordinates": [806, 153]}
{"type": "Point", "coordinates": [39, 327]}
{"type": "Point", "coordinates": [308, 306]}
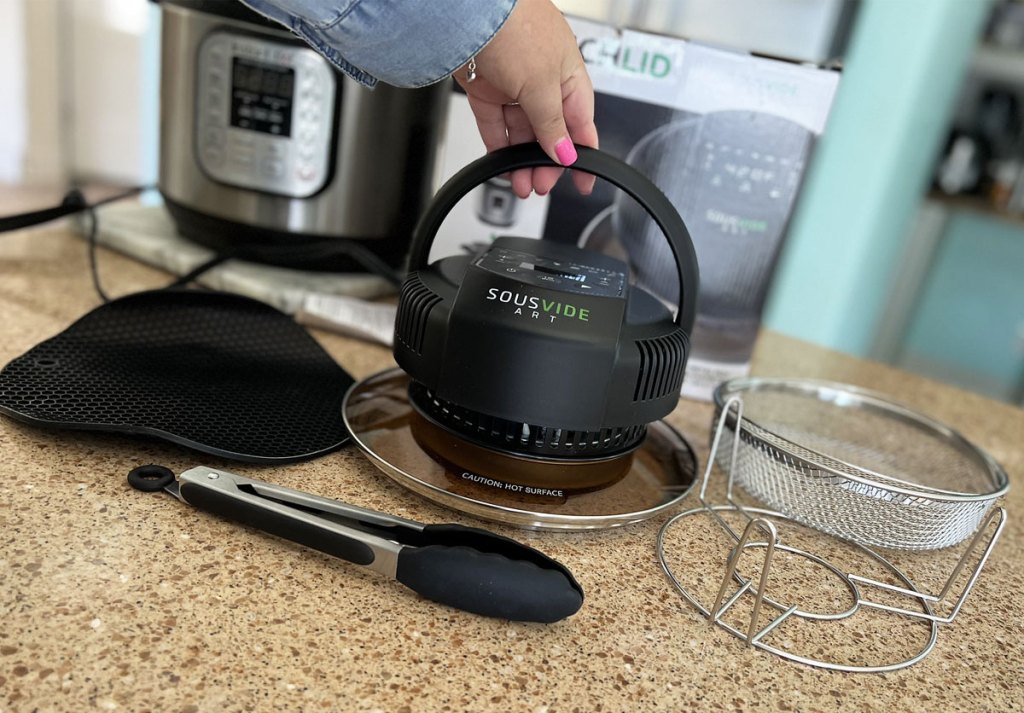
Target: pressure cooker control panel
{"type": "Point", "coordinates": [264, 114]}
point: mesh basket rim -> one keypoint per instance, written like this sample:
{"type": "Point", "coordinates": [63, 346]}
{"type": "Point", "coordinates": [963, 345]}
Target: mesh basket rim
{"type": "Point", "coordinates": [816, 388]}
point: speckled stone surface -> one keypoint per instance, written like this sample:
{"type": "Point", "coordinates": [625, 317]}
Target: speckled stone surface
{"type": "Point", "coordinates": [112, 599]}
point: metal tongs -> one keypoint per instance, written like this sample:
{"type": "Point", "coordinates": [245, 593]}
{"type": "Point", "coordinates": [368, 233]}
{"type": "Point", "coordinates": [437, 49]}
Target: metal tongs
{"type": "Point", "coordinates": [463, 567]}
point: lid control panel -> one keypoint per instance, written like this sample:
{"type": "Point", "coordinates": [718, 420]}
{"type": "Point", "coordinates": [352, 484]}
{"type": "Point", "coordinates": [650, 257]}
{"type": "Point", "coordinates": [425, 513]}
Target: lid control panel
{"type": "Point", "coordinates": [564, 275]}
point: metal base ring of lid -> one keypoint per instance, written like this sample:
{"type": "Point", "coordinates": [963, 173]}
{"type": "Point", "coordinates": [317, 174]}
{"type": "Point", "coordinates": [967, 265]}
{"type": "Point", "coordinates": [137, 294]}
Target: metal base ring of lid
{"type": "Point", "coordinates": [380, 418]}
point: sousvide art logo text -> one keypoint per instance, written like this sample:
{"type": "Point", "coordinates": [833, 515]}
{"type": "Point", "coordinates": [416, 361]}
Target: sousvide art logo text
{"type": "Point", "coordinates": [538, 307]}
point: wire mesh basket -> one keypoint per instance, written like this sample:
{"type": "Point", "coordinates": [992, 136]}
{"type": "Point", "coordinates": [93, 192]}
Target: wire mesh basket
{"type": "Point", "coordinates": [851, 463]}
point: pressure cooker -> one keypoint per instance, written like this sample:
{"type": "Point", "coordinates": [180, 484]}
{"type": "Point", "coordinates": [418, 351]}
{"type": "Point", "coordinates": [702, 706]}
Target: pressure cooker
{"type": "Point", "coordinates": [264, 143]}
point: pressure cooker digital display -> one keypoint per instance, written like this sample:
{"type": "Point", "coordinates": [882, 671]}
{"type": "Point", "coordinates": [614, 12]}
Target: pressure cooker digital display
{"type": "Point", "coordinates": [261, 97]}
{"type": "Point", "coordinates": [265, 113]}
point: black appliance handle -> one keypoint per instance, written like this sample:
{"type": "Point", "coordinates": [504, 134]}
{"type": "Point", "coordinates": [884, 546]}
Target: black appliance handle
{"type": "Point", "coordinates": [593, 161]}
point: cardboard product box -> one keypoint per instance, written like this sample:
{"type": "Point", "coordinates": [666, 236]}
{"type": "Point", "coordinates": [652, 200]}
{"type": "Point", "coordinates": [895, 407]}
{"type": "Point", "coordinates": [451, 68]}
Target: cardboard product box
{"type": "Point", "coordinates": [727, 136]}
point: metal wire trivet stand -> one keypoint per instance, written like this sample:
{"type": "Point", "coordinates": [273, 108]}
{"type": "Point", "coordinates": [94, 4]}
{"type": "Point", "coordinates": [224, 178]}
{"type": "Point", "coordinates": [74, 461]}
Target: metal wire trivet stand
{"type": "Point", "coordinates": [767, 521]}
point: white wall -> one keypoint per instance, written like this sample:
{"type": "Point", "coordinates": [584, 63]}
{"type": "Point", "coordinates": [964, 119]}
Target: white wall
{"type": "Point", "coordinates": [803, 30]}
{"type": "Point", "coordinates": [45, 161]}
{"type": "Point", "coordinates": [12, 90]}
{"type": "Point", "coordinates": [78, 91]}
{"type": "Point", "coordinates": [109, 85]}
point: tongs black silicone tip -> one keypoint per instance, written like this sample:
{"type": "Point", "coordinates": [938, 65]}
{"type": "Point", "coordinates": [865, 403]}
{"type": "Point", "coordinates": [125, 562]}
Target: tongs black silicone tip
{"type": "Point", "coordinates": [463, 567]}
{"type": "Point", "coordinates": [490, 575]}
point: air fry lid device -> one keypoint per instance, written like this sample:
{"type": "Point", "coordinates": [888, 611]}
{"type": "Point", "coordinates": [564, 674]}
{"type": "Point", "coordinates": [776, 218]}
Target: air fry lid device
{"type": "Point", "coordinates": [537, 350]}
{"type": "Point", "coordinates": [535, 373]}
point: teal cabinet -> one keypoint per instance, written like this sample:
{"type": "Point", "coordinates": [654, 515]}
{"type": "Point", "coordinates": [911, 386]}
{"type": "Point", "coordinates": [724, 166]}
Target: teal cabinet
{"type": "Point", "coordinates": [900, 81]}
{"type": "Point", "coordinates": [968, 324]}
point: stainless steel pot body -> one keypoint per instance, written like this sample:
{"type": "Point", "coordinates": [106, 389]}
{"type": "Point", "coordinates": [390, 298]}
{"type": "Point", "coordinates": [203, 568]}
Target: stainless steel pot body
{"type": "Point", "coordinates": [258, 130]}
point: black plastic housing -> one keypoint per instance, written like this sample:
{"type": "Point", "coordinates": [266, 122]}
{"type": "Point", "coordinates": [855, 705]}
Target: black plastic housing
{"type": "Point", "coordinates": [622, 365]}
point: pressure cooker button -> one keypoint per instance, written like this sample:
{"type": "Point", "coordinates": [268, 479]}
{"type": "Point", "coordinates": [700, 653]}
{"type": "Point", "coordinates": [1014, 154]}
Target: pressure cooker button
{"type": "Point", "coordinates": [306, 172]}
{"type": "Point", "coordinates": [213, 156]}
{"type": "Point", "coordinates": [273, 168]}
{"type": "Point", "coordinates": [242, 141]}
{"type": "Point", "coordinates": [214, 138]}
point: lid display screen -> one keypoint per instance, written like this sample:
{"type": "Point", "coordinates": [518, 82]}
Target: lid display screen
{"type": "Point", "coordinates": [563, 274]}
{"type": "Point", "coordinates": [261, 97]}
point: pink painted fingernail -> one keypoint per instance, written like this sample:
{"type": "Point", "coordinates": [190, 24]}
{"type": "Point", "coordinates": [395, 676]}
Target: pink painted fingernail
{"type": "Point", "coordinates": [565, 152]}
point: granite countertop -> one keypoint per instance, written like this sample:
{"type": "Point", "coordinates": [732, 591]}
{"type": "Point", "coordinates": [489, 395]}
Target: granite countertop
{"type": "Point", "coordinates": [119, 600]}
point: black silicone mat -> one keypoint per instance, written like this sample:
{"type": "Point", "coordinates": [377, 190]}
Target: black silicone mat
{"type": "Point", "coordinates": [220, 373]}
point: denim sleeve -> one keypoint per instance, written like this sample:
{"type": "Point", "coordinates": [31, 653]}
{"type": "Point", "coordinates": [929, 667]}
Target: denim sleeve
{"type": "Point", "coordinates": [407, 43]}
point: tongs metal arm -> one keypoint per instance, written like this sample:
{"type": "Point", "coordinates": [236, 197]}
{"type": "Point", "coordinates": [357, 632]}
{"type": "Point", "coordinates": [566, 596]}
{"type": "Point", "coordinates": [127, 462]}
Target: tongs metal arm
{"type": "Point", "coordinates": [300, 517]}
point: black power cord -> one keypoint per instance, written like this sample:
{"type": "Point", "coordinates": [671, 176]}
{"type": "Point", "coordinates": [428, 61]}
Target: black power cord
{"type": "Point", "coordinates": [91, 236]}
{"type": "Point", "coordinates": [313, 251]}
{"type": "Point", "coordinates": [73, 202]}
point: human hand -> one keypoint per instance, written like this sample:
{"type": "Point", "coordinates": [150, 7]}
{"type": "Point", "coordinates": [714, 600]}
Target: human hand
{"type": "Point", "coordinates": [531, 85]}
